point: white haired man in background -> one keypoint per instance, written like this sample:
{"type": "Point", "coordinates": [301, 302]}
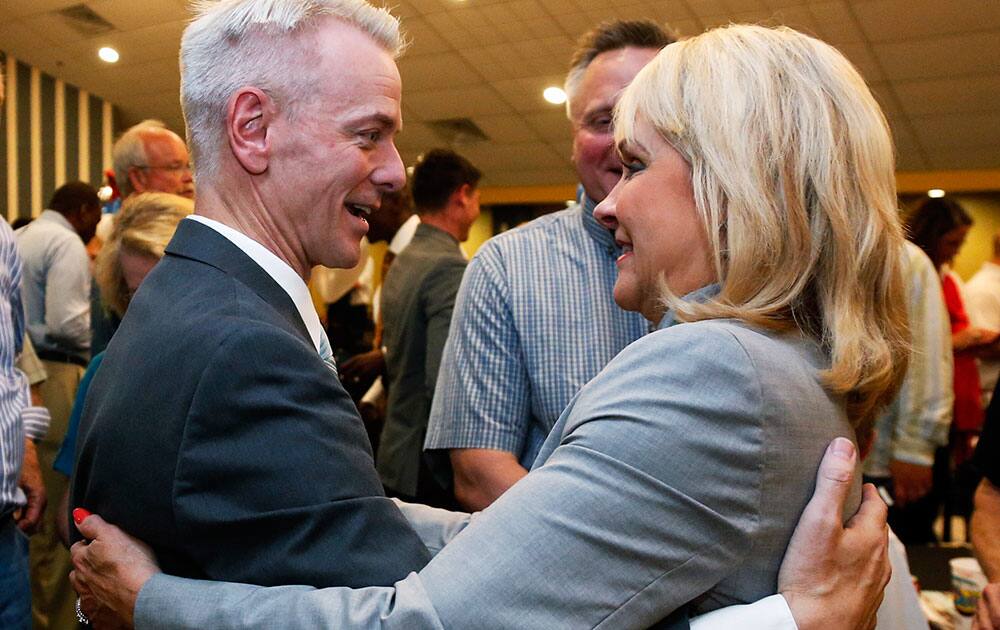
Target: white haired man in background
{"type": "Point", "coordinates": [148, 157]}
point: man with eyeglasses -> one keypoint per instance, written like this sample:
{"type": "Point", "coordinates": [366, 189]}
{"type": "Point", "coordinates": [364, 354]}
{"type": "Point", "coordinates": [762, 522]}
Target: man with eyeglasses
{"type": "Point", "coordinates": [150, 158]}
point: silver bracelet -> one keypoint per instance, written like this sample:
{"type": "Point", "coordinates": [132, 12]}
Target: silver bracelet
{"type": "Point", "coordinates": [82, 618]}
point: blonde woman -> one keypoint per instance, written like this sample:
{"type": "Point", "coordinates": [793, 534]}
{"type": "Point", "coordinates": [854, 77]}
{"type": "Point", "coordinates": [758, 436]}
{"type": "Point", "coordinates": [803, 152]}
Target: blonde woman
{"type": "Point", "coordinates": [141, 232]}
{"type": "Point", "coordinates": [757, 216]}
{"type": "Point", "coordinates": [142, 229]}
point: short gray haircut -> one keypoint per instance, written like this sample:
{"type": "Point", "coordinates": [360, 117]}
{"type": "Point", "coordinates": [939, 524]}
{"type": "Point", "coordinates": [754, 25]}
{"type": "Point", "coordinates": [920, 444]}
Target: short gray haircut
{"type": "Point", "coordinates": [236, 43]}
{"type": "Point", "coordinates": [130, 151]}
{"type": "Point", "coordinates": [609, 36]}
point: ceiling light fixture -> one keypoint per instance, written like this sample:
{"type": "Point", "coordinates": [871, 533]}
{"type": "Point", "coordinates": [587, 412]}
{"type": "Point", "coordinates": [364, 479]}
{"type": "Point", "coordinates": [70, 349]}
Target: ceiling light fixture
{"type": "Point", "coordinates": [935, 193]}
{"type": "Point", "coordinates": [554, 95]}
{"type": "Point", "coordinates": [107, 54]}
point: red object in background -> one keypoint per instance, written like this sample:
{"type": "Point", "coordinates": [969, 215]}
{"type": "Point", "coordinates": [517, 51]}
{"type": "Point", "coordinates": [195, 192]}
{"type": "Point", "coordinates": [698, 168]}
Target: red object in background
{"type": "Point", "coordinates": [968, 407]}
{"type": "Point", "coordinates": [109, 175]}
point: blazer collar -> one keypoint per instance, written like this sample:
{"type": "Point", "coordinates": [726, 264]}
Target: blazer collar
{"type": "Point", "coordinates": [698, 296]}
{"type": "Point", "coordinates": [199, 242]}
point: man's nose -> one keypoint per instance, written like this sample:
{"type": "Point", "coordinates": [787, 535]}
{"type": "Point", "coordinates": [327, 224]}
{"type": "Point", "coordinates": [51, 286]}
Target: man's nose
{"type": "Point", "coordinates": [390, 176]}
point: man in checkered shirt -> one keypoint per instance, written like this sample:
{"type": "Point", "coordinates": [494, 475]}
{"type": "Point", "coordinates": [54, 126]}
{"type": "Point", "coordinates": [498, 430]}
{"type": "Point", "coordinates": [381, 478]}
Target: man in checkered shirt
{"type": "Point", "coordinates": [535, 319]}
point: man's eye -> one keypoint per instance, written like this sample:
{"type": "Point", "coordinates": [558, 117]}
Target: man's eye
{"type": "Point", "coordinates": [372, 136]}
{"type": "Point", "coordinates": [601, 124]}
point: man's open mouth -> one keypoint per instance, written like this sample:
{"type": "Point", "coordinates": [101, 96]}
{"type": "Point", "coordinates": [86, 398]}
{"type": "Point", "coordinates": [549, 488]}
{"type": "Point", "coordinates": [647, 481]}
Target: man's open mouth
{"type": "Point", "coordinates": [358, 210]}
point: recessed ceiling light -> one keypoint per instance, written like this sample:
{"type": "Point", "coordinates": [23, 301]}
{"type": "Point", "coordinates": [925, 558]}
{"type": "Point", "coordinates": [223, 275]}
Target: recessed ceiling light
{"type": "Point", "coordinates": [554, 95]}
{"type": "Point", "coordinates": [935, 193]}
{"type": "Point", "coordinates": [107, 54]}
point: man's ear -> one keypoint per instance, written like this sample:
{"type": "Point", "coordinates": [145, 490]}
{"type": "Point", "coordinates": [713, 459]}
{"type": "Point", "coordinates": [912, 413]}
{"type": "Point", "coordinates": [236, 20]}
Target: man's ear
{"type": "Point", "coordinates": [462, 195]}
{"type": "Point", "coordinates": [248, 119]}
{"type": "Point", "coordinates": [137, 178]}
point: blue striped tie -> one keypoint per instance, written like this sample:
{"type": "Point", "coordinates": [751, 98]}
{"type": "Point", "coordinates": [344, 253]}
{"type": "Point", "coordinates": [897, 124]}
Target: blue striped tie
{"type": "Point", "coordinates": [326, 353]}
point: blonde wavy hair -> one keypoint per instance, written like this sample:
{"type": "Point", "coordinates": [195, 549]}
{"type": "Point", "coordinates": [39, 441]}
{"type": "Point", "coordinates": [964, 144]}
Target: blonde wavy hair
{"type": "Point", "coordinates": [793, 174]}
{"type": "Point", "coordinates": [144, 226]}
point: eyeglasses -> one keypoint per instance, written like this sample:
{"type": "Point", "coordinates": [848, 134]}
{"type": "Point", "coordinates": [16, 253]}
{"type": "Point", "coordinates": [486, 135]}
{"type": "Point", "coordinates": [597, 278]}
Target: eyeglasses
{"type": "Point", "coordinates": [173, 168]}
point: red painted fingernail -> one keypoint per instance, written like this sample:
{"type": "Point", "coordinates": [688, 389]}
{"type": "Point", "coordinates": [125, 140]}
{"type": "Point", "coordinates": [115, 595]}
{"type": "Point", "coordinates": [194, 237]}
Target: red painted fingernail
{"type": "Point", "coordinates": [79, 514]}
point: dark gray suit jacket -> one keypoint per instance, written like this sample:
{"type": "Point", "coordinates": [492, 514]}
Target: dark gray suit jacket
{"type": "Point", "coordinates": [214, 432]}
{"type": "Point", "coordinates": [417, 302]}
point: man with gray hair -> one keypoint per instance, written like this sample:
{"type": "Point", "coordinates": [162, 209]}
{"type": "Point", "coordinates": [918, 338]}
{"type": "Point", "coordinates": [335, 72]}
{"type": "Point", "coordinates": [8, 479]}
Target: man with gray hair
{"type": "Point", "coordinates": [148, 157]}
{"type": "Point", "coordinates": [250, 462]}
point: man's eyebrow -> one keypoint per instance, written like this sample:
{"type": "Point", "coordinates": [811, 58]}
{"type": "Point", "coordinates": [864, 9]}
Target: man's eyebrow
{"type": "Point", "coordinates": [382, 120]}
{"type": "Point", "coordinates": [603, 110]}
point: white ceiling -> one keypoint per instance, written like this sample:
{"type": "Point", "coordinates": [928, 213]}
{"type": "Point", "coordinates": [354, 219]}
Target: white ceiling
{"type": "Point", "coordinates": [933, 64]}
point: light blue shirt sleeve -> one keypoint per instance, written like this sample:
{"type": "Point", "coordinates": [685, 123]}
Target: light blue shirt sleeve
{"type": "Point", "coordinates": [926, 397]}
{"type": "Point", "coordinates": [917, 421]}
{"type": "Point", "coordinates": [435, 527]}
{"type": "Point", "coordinates": [67, 295]}
{"type": "Point", "coordinates": [481, 398]}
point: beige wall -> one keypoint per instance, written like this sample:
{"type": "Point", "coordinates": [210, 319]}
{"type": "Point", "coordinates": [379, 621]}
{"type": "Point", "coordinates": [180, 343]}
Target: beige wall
{"type": "Point", "coordinates": [480, 232]}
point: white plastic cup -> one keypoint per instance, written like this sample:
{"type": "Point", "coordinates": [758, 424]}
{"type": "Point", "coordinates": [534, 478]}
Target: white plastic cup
{"type": "Point", "coordinates": [967, 582]}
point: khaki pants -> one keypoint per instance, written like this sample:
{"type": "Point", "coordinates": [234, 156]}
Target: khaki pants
{"type": "Point", "coordinates": [52, 598]}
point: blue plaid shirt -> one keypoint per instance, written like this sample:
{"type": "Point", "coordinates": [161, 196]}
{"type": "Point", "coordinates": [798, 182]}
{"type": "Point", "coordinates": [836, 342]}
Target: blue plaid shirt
{"type": "Point", "coordinates": [534, 321]}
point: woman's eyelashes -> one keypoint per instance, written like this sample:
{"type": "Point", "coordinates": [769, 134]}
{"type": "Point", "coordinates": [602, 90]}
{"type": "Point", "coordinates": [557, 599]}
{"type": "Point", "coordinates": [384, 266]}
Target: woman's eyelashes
{"type": "Point", "coordinates": [632, 167]}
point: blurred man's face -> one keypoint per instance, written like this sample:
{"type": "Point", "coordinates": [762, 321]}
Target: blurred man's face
{"type": "Point", "coordinates": [86, 222]}
{"type": "Point", "coordinates": [597, 163]}
{"type": "Point", "coordinates": [396, 208]}
{"type": "Point", "coordinates": [168, 168]}
{"type": "Point", "coordinates": [472, 210]}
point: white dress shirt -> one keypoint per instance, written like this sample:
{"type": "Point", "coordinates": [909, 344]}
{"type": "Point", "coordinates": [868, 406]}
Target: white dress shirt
{"type": "Point", "coordinates": [280, 271]}
{"type": "Point", "coordinates": [982, 304]}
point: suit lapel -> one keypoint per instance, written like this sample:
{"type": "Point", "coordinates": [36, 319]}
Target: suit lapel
{"type": "Point", "coordinates": [197, 241]}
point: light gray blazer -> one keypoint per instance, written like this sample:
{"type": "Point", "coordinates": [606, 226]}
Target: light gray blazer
{"type": "Point", "coordinates": [676, 475]}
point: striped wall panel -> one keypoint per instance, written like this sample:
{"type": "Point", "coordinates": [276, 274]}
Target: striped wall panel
{"type": "Point", "coordinates": [52, 133]}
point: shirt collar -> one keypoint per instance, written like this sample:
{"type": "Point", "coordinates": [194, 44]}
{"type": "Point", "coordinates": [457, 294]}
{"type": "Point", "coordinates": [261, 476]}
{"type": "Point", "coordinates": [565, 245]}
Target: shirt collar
{"type": "Point", "coordinates": [427, 231]}
{"type": "Point", "coordinates": [991, 267]}
{"type": "Point", "coordinates": [279, 270]}
{"type": "Point", "coordinates": [698, 296]}
{"type": "Point", "coordinates": [403, 235]}
{"type": "Point", "coordinates": [56, 217]}
{"type": "Point", "coordinates": [592, 226]}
